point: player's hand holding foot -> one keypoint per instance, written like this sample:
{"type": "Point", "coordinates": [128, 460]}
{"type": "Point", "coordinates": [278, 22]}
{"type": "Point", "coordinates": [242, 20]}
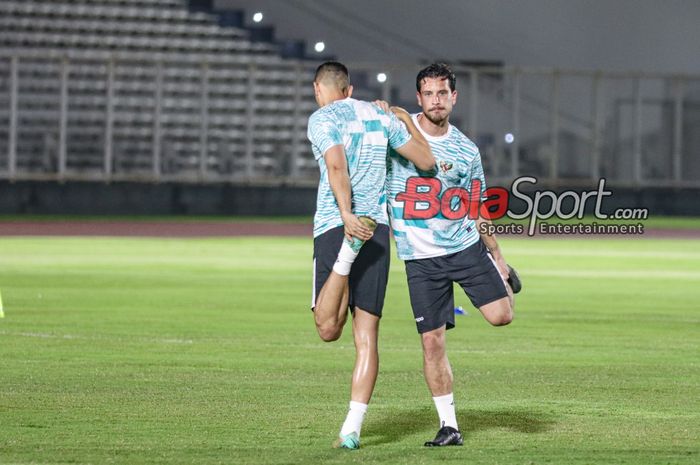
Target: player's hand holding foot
{"type": "Point", "coordinates": [514, 280]}
{"type": "Point", "coordinates": [507, 272]}
{"type": "Point", "coordinates": [355, 228]}
{"type": "Point", "coordinates": [501, 264]}
{"type": "Point", "coordinates": [358, 229]}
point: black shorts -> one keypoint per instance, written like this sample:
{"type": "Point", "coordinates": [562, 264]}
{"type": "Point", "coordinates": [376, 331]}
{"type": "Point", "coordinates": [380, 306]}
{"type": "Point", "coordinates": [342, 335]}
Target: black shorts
{"type": "Point", "coordinates": [369, 274]}
{"type": "Point", "coordinates": [430, 285]}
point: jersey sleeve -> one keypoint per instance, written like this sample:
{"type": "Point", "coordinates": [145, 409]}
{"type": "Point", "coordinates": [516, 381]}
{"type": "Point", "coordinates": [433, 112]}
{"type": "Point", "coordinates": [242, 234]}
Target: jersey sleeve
{"type": "Point", "coordinates": [323, 133]}
{"type": "Point", "coordinates": [398, 134]}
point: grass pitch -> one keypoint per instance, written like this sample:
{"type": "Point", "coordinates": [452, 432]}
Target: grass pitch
{"type": "Point", "coordinates": [204, 351]}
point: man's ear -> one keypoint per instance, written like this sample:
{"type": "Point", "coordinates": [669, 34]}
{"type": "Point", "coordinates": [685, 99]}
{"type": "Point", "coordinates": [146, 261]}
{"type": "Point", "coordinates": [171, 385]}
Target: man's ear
{"type": "Point", "coordinates": [348, 91]}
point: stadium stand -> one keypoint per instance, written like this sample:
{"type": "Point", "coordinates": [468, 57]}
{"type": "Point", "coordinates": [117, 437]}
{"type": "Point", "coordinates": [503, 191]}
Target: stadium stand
{"type": "Point", "coordinates": [127, 89]}
{"type": "Point", "coordinates": [175, 90]}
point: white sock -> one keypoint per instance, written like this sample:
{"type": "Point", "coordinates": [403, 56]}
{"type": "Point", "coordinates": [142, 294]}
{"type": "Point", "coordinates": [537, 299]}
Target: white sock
{"type": "Point", "coordinates": [353, 422]}
{"type": "Point", "coordinates": [346, 257]}
{"type": "Point", "coordinates": [445, 406]}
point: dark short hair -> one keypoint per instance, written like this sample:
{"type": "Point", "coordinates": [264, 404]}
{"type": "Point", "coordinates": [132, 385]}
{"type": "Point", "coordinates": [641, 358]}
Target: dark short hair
{"type": "Point", "coordinates": [437, 70]}
{"type": "Point", "coordinates": [335, 71]}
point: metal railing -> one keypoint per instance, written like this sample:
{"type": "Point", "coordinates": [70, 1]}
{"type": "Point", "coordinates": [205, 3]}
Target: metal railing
{"type": "Point", "coordinates": [114, 117]}
{"type": "Point", "coordinates": [571, 127]}
{"type": "Point", "coordinates": [158, 117]}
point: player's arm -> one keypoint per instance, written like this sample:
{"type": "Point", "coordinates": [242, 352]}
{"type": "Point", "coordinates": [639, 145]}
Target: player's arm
{"type": "Point", "coordinates": [339, 180]}
{"type": "Point", "coordinates": [483, 223]}
{"type": "Point", "coordinates": [489, 238]}
{"type": "Point", "coordinates": [417, 149]}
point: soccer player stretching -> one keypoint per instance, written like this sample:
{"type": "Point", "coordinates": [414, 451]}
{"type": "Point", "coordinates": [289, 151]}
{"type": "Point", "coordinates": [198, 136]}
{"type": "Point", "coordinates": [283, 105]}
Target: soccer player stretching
{"type": "Point", "coordinates": [349, 139]}
{"type": "Point", "coordinates": [439, 251]}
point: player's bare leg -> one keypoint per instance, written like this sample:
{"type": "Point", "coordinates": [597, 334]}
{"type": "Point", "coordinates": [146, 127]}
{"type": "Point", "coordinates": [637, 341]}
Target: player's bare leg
{"type": "Point", "coordinates": [436, 366]}
{"type": "Point", "coordinates": [331, 310]}
{"type": "Point", "coordinates": [365, 329]}
{"type": "Point", "coordinates": [499, 312]}
{"type": "Point", "coordinates": [438, 375]}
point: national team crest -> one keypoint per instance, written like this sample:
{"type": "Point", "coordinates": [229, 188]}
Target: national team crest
{"type": "Point", "coordinates": [444, 166]}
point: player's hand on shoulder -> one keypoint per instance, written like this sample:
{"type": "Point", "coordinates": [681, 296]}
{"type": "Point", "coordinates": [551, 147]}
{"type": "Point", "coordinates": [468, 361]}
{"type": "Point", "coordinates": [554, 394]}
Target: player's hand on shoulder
{"type": "Point", "coordinates": [384, 106]}
{"type": "Point", "coordinates": [400, 113]}
{"type": "Point", "coordinates": [354, 227]}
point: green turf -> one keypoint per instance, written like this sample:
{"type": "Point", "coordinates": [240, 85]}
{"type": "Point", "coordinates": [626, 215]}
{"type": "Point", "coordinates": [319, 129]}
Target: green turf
{"type": "Point", "coordinates": [203, 351]}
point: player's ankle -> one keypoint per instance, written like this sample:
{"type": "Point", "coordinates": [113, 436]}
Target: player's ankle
{"type": "Point", "coordinates": [346, 257]}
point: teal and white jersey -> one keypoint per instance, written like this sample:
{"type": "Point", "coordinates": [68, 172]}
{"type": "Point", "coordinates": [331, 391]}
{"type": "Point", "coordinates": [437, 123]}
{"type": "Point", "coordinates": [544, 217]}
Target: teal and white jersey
{"type": "Point", "coordinates": [365, 132]}
{"type": "Point", "coordinates": [458, 163]}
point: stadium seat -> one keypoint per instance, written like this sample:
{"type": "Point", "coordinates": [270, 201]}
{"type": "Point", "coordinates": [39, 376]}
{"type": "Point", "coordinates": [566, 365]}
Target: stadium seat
{"type": "Point", "coordinates": [135, 35]}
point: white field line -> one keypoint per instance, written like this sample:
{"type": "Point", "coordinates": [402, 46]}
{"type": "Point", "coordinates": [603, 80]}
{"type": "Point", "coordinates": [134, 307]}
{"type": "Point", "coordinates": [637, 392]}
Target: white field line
{"type": "Point", "coordinates": [233, 262]}
{"type": "Point", "coordinates": [544, 252]}
{"type": "Point", "coordinates": [94, 338]}
{"type": "Point", "coordinates": [305, 346]}
{"type": "Point", "coordinates": [615, 274]}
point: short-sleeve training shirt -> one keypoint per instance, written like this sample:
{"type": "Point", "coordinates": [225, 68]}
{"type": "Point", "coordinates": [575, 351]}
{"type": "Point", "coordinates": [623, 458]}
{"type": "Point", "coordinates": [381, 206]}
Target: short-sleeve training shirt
{"type": "Point", "coordinates": [458, 164]}
{"type": "Point", "coordinates": [365, 132]}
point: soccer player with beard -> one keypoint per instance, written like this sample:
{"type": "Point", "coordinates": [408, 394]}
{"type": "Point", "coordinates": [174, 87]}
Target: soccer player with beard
{"type": "Point", "coordinates": [440, 251]}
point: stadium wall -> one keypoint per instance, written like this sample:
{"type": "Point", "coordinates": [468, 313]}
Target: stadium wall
{"type": "Point", "coordinates": [134, 198]}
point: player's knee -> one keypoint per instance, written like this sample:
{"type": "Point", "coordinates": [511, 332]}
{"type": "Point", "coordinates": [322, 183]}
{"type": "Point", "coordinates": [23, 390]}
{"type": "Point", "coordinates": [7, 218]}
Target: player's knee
{"type": "Point", "coordinates": [433, 344]}
{"type": "Point", "coordinates": [329, 333]}
{"type": "Point", "coordinates": [502, 318]}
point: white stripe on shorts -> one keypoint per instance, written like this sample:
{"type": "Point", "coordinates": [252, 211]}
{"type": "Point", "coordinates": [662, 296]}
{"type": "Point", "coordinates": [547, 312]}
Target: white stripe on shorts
{"type": "Point", "coordinates": [505, 283]}
{"type": "Point", "coordinates": [313, 286]}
